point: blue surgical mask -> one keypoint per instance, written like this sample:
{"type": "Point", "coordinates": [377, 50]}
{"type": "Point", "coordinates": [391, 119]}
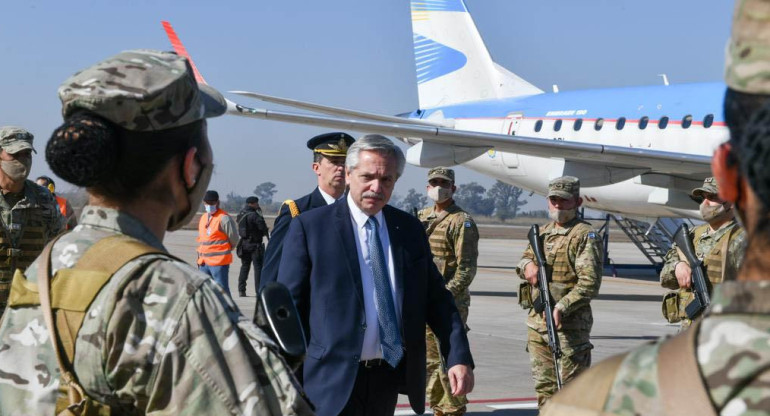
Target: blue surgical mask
{"type": "Point", "coordinates": [210, 208]}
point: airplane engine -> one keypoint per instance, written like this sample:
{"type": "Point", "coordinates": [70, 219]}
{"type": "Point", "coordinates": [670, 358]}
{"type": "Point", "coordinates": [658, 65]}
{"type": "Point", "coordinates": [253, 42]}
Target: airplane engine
{"type": "Point", "coordinates": [428, 155]}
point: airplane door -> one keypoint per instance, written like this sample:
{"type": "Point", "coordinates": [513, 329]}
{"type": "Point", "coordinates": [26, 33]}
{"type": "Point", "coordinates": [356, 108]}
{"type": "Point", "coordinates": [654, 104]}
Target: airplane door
{"type": "Point", "coordinates": [510, 127]}
{"type": "Point", "coordinates": [512, 122]}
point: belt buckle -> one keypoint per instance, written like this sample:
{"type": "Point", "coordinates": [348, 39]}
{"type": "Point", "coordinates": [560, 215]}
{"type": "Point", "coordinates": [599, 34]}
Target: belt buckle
{"type": "Point", "coordinates": [371, 363]}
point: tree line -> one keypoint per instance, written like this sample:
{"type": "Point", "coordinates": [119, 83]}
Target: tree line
{"type": "Point", "coordinates": [502, 201]}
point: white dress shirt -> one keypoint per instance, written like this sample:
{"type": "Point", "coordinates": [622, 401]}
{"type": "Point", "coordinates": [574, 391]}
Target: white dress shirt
{"type": "Point", "coordinates": [372, 347]}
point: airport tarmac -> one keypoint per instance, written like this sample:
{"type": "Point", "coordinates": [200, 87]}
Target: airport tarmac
{"type": "Point", "coordinates": [626, 313]}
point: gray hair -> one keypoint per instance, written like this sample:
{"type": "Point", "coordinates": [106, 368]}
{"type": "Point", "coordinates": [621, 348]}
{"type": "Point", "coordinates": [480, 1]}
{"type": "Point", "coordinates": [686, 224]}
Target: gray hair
{"type": "Point", "coordinates": [375, 143]}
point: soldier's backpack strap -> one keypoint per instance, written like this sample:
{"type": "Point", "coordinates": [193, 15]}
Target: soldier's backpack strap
{"type": "Point", "coordinates": [682, 389]}
{"type": "Point", "coordinates": [725, 247]}
{"type": "Point", "coordinates": [293, 209]}
{"type": "Point", "coordinates": [588, 396]}
{"type": "Point", "coordinates": [71, 292]}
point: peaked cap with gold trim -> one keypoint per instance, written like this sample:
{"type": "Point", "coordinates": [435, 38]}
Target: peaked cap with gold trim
{"type": "Point", "coordinates": [331, 144]}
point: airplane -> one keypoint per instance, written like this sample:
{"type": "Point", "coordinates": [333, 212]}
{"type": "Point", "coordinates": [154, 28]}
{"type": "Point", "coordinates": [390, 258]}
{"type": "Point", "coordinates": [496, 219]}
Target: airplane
{"type": "Point", "coordinates": [638, 151]}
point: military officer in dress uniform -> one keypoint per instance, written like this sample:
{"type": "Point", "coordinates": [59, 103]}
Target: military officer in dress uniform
{"type": "Point", "coordinates": [329, 151]}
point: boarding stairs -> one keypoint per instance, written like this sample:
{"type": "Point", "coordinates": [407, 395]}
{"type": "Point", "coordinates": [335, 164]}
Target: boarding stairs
{"type": "Point", "coordinates": [653, 240]}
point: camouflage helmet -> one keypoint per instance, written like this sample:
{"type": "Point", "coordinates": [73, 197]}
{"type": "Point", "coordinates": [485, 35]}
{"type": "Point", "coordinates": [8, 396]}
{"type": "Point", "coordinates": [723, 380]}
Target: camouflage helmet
{"type": "Point", "coordinates": [709, 187]}
{"type": "Point", "coordinates": [564, 187]}
{"type": "Point", "coordinates": [442, 173]}
{"type": "Point", "coordinates": [141, 90]}
{"type": "Point", "coordinates": [15, 139]}
{"type": "Point", "coordinates": [747, 61]}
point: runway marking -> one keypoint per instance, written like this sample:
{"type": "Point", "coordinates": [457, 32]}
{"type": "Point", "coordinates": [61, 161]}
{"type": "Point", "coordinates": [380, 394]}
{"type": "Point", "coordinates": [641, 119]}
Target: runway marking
{"type": "Point", "coordinates": [530, 405]}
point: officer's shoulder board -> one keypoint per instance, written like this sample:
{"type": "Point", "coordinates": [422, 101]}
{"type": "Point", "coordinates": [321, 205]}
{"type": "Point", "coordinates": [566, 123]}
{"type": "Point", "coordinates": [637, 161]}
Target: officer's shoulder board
{"type": "Point", "coordinates": [293, 209]}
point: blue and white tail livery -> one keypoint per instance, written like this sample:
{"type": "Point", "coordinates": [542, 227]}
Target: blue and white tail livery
{"type": "Point", "coordinates": [638, 150]}
{"type": "Point", "coordinates": [453, 65]}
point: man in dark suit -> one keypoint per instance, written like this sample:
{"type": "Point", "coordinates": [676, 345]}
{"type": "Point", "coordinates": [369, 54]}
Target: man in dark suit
{"type": "Point", "coordinates": [362, 276]}
{"type": "Point", "coordinates": [329, 150]}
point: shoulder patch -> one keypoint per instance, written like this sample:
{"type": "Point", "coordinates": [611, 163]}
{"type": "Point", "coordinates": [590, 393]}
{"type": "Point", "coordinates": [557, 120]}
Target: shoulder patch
{"type": "Point", "coordinates": [592, 235]}
{"type": "Point", "coordinates": [467, 224]}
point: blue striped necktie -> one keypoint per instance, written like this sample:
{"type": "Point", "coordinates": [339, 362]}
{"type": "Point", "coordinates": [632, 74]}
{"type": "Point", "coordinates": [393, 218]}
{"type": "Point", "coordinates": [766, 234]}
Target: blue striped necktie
{"type": "Point", "coordinates": [390, 337]}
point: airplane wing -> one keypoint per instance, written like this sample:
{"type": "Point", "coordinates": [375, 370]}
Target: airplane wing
{"type": "Point", "coordinates": [670, 163]}
{"type": "Point", "coordinates": [324, 109]}
{"type": "Point", "coordinates": [468, 143]}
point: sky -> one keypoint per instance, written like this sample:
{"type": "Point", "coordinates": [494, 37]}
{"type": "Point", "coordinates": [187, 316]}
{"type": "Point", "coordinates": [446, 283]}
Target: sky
{"type": "Point", "coordinates": [345, 53]}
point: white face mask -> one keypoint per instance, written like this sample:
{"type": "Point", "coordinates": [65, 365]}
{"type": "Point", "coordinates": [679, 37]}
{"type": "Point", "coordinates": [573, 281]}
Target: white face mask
{"type": "Point", "coordinates": [210, 208]}
{"type": "Point", "coordinates": [562, 216]}
{"type": "Point", "coordinates": [439, 194]}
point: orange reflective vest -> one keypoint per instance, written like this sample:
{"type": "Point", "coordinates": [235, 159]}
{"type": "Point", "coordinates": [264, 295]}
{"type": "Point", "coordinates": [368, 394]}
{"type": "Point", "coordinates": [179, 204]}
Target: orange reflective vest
{"type": "Point", "coordinates": [213, 245]}
{"type": "Point", "coordinates": [62, 205]}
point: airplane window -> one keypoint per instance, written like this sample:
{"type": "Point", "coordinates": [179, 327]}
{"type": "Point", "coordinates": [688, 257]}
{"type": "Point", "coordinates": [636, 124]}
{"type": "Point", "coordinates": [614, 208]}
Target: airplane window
{"type": "Point", "coordinates": [557, 125]}
{"type": "Point", "coordinates": [663, 122]}
{"type": "Point", "coordinates": [620, 123]}
{"type": "Point", "coordinates": [687, 121]}
{"type": "Point", "coordinates": [578, 124]}
{"type": "Point", "coordinates": [538, 125]}
{"type": "Point", "coordinates": [599, 124]}
{"type": "Point", "coordinates": [643, 122]}
{"type": "Point", "coordinates": [708, 121]}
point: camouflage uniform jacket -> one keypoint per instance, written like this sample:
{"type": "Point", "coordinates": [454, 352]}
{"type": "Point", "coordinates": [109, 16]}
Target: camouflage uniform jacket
{"type": "Point", "coordinates": [160, 338]}
{"type": "Point", "coordinates": [733, 348]}
{"type": "Point", "coordinates": [705, 242]}
{"type": "Point", "coordinates": [29, 220]}
{"type": "Point", "coordinates": [574, 263]}
{"type": "Point", "coordinates": [454, 242]}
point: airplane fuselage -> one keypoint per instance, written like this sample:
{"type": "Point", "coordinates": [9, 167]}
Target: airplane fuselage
{"type": "Point", "coordinates": [683, 118]}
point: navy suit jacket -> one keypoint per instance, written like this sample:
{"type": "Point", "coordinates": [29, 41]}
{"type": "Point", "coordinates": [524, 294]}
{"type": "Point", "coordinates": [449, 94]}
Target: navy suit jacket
{"type": "Point", "coordinates": [320, 267]}
{"type": "Point", "coordinates": [275, 245]}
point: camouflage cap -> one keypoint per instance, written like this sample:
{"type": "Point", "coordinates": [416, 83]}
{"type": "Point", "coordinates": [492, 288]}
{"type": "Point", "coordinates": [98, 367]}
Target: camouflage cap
{"type": "Point", "coordinates": [564, 187]}
{"type": "Point", "coordinates": [142, 90]}
{"type": "Point", "coordinates": [441, 172]}
{"type": "Point", "coordinates": [747, 60]}
{"type": "Point", "coordinates": [15, 139]}
{"type": "Point", "coordinates": [709, 187]}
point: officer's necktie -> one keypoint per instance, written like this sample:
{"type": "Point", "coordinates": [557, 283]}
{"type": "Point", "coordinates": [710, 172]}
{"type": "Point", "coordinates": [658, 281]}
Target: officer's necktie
{"type": "Point", "coordinates": [390, 337]}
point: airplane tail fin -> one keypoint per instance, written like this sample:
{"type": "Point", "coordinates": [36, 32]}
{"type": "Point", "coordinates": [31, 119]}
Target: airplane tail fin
{"type": "Point", "coordinates": [452, 62]}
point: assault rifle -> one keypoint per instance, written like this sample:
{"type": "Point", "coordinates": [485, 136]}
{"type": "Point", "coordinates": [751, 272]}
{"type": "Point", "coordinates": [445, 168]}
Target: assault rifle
{"type": "Point", "coordinates": [278, 317]}
{"type": "Point", "coordinates": [542, 305]}
{"type": "Point", "coordinates": [702, 299]}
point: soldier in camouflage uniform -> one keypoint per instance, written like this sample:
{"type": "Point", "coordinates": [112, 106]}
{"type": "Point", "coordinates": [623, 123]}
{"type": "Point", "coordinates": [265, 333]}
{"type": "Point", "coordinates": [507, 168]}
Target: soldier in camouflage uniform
{"type": "Point", "coordinates": [721, 364]}
{"type": "Point", "coordinates": [454, 242]}
{"type": "Point", "coordinates": [159, 337]}
{"type": "Point", "coordinates": [573, 253]}
{"type": "Point", "coordinates": [718, 243]}
{"type": "Point", "coordinates": [30, 216]}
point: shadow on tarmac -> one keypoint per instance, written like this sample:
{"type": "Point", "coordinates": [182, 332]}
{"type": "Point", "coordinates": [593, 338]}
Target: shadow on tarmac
{"type": "Point", "coordinates": [619, 297]}
{"type": "Point", "coordinates": [641, 337]}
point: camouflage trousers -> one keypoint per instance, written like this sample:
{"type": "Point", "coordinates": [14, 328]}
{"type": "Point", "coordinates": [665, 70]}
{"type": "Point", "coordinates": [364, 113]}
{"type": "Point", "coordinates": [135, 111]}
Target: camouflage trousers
{"type": "Point", "coordinates": [575, 359]}
{"type": "Point", "coordinates": [437, 388]}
